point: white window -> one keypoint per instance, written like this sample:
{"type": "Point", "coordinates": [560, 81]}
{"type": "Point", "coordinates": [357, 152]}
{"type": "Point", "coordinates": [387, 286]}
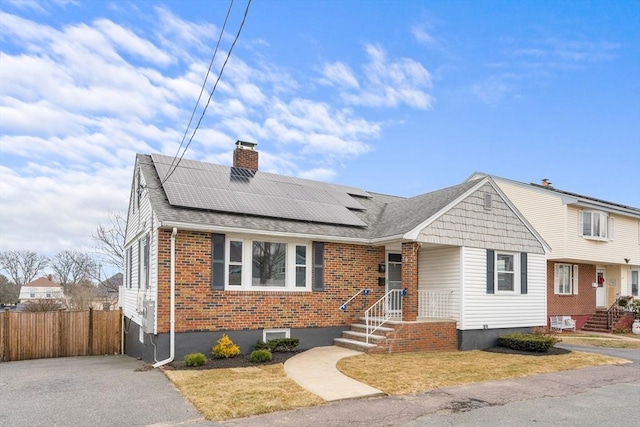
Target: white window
{"type": "Point", "coordinates": [49, 295]}
{"type": "Point", "coordinates": [32, 293]}
{"type": "Point", "coordinates": [235, 262]}
{"type": "Point", "coordinates": [595, 225]}
{"type": "Point", "coordinates": [274, 334]}
{"type": "Point", "coordinates": [566, 279]}
{"type": "Point", "coordinates": [634, 282]}
{"type": "Point", "coordinates": [267, 264]}
{"type": "Point", "coordinates": [143, 263]}
{"type": "Point", "coordinates": [505, 272]}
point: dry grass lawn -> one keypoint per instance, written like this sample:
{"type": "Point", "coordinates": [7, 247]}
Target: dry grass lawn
{"type": "Point", "coordinates": [221, 394]}
{"type": "Point", "coordinates": [599, 341]}
{"type": "Point", "coordinates": [407, 373]}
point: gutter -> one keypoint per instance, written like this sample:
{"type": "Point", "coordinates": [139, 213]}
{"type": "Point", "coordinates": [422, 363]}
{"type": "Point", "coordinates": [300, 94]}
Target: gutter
{"type": "Point", "coordinates": [172, 301]}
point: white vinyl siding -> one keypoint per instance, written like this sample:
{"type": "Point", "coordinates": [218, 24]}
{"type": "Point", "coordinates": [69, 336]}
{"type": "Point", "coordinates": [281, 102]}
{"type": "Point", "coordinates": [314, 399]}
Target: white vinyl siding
{"type": "Point", "coordinates": [439, 271]}
{"type": "Point", "coordinates": [501, 310]}
{"type": "Point", "coordinates": [141, 221]}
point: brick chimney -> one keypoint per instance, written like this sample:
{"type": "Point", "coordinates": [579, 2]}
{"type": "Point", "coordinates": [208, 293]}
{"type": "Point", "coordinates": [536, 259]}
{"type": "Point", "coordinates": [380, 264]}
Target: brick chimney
{"type": "Point", "coordinates": [245, 155]}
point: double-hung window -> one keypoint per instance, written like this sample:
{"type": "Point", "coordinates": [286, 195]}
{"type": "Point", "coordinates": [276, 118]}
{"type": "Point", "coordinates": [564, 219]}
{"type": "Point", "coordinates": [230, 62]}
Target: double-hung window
{"type": "Point", "coordinates": [265, 264]}
{"type": "Point", "coordinates": [634, 282]}
{"type": "Point", "coordinates": [505, 272]}
{"type": "Point", "coordinates": [566, 279]}
{"type": "Point", "coordinates": [595, 225]}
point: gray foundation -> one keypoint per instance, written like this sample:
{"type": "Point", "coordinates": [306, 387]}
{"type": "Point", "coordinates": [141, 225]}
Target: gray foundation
{"type": "Point", "coordinates": [480, 339]}
{"type": "Point", "coordinates": [194, 342]}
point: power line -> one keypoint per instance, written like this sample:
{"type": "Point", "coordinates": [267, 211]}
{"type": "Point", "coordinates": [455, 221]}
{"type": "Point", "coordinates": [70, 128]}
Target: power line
{"type": "Point", "coordinates": [246, 12]}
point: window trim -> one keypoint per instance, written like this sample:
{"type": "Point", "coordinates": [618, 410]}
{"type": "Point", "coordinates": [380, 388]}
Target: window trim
{"type": "Point", "coordinates": [287, 333]}
{"type": "Point", "coordinates": [607, 227]}
{"type": "Point", "coordinates": [573, 279]}
{"type": "Point", "coordinates": [515, 272]}
{"type": "Point", "coordinates": [290, 264]}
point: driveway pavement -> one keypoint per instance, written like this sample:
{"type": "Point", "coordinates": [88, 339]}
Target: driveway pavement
{"type": "Point", "coordinates": [90, 391]}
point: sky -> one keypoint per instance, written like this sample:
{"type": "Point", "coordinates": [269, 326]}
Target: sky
{"type": "Point", "coordinates": [397, 97]}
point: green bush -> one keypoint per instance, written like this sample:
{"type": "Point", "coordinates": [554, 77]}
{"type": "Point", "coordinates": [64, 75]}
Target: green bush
{"type": "Point", "coordinates": [278, 345]}
{"type": "Point", "coordinates": [225, 348]}
{"type": "Point", "coordinates": [527, 342]}
{"type": "Point", "coordinates": [195, 359]}
{"type": "Point", "coordinates": [261, 356]}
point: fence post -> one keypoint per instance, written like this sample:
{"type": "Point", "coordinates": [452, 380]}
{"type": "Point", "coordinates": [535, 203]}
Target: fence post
{"type": "Point", "coordinates": [5, 336]}
{"type": "Point", "coordinates": [90, 331]}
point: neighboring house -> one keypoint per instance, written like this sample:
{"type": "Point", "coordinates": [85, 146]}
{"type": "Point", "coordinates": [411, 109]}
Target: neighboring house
{"type": "Point", "coordinates": [595, 256]}
{"type": "Point", "coordinates": [42, 288]}
{"type": "Point", "coordinates": [214, 249]}
{"type": "Point", "coordinates": [107, 293]}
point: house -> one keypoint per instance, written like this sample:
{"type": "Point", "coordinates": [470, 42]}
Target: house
{"type": "Point", "coordinates": [42, 288]}
{"type": "Point", "coordinates": [595, 256]}
{"type": "Point", "coordinates": [213, 249]}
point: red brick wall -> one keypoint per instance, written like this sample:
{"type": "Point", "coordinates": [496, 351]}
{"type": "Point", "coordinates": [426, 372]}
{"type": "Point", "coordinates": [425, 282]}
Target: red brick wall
{"type": "Point", "coordinates": [244, 158]}
{"type": "Point", "coordinates": [410, 280]}
{"type": "Point", "coordinates": [583, 304]}
{"type": "Point", "coordinates": [347, 270]}
{"type": "Point", "coordinates": [419, 336]}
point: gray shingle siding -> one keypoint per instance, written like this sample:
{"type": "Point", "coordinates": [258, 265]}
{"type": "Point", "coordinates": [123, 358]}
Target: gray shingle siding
{"type": "Point", "coordinates": [470, 224]}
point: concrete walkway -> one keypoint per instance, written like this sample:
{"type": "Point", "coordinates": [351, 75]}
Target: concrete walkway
{"type": "Point", "coordinates": [315, 370]}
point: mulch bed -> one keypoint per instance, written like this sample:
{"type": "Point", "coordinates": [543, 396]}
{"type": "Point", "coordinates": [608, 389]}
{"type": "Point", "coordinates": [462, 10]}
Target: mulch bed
{"type": "Point", "coordinates": [553, 351]}
{"type": "Point", "coordinates": [241, 361]}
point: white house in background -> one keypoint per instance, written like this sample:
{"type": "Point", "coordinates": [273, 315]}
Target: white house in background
{"type": "Point", "coordinates": [42, 288]}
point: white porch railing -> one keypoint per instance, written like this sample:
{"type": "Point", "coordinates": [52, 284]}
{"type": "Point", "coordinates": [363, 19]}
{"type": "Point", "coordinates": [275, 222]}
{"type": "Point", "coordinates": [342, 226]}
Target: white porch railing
{"type": "Point", "coordinates": [434, 304]}
{"type": "Point", "coordinates": [389, 307]}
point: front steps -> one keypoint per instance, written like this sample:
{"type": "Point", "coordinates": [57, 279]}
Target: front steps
{"type": "Point", "coordinates": [598, 321]}
{"type": "Point", "coordinates": [398, 336]}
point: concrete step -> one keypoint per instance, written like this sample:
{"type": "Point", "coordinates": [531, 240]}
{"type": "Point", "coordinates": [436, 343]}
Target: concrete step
{"type": "Point", "coordinates": [362, 336]}
{"type": "Point", "coordinates": [353, 345]}
{"type": "Point", "coordinates": [362, 327]}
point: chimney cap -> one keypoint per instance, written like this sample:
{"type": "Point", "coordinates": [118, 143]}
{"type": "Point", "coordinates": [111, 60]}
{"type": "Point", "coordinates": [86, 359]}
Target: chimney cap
{"type": "Point", "coordinates": [245, 145]}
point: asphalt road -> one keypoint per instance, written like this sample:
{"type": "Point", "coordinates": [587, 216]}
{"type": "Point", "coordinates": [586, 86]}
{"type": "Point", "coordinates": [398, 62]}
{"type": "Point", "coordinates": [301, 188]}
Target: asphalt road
{"type": "Point", "coordinates": [108, 391]}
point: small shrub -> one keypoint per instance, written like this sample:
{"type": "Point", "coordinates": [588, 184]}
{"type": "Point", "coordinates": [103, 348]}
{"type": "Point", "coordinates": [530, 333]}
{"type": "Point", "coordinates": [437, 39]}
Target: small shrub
{"type": "Point", "coordinates": [527, 342]}
{"type": "Point", "coordinates": [635, 308]}
{"type": "Point", "coordinates": [278, 345]}
{"type": "Point", "coordinates": [195, 359]}
{"type": "Point", "coordinates": [225, 348]}
{"type": "Point", "coordinates": [261, 356]}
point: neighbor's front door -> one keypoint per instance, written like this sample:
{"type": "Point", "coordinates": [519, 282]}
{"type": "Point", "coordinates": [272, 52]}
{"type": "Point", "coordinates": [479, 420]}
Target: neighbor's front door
{"type": "Point", "coordinates": [601, 290]}
{"type": "Point", "coordinates": [394, 279]}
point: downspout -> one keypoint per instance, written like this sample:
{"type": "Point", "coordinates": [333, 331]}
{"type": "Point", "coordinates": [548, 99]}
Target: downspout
{"type": "Point", "coordinates": [172, 300]}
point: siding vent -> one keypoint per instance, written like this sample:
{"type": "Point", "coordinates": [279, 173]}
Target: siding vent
{"type": "Point", "coordinates": [488, 203]}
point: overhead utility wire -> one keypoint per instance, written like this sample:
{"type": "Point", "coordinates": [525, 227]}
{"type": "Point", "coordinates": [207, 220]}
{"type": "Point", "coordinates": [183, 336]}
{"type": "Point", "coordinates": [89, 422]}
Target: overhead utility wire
{"type": "Point", "coordinates": [244, 18]}
{"type": "Point", "coordinates": [206, 77]}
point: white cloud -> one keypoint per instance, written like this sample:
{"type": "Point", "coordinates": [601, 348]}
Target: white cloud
{"type": "Point", "coordinates": [340, 75]}
{"type": "Point", "coordinates": [390, 83]}
{"type": "Point", "coordinates": [422, 36]}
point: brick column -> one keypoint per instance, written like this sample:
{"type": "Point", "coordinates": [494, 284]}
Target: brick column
{"type": "Point", "coordinates": [410, 280]}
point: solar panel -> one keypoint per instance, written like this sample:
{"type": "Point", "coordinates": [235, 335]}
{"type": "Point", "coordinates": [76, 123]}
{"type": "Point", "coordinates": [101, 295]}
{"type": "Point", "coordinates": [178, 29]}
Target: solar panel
{"type": "Point", "coordinates": [239, 190]}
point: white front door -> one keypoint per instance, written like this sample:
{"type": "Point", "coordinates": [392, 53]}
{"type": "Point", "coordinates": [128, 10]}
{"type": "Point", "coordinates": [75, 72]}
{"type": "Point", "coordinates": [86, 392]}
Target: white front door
{"type": "Point", "coordinates": [601, 290]}
{"type": "Point", "coordinates": [394, 279]}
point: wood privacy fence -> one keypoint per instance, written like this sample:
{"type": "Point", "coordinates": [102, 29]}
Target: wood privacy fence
{"type": "Point", "coordinates": [59, 334]}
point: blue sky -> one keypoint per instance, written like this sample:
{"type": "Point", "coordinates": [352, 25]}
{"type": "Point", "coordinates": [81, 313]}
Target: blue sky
{"type": "Point", "coordinates": [393, 97]}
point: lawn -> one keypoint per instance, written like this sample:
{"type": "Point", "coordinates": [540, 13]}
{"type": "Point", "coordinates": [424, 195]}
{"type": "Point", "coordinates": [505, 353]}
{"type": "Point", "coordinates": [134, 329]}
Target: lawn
{"type": "Point", "coordinates": [221, 394]}
{"type": "Point", "coordinates": [600, 341]}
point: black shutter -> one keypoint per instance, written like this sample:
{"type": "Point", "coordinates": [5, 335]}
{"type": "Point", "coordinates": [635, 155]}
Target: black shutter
{"type": "Point", "coordinates": [523, 273]}
{"type": "Point", "coordinates": [490, 271]}
{"type": "Point", "coordinates": [217, 261]}
{"type": "Point", "coordinates": [318, 266]}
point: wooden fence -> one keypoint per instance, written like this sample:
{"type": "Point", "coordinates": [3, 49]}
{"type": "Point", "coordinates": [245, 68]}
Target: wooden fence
{"type": "Point", "coordinates": [59, 334]}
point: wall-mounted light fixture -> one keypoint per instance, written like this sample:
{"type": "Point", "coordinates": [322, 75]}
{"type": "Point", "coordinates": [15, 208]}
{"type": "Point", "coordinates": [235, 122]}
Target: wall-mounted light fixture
{"type": "Point", "coordinates": [627, 260]}
{"type": "Point", "coordinates": [382, 267]}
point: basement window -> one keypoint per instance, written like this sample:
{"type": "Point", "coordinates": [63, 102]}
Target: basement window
{"type": "Point", "coordinates": [274, 334]}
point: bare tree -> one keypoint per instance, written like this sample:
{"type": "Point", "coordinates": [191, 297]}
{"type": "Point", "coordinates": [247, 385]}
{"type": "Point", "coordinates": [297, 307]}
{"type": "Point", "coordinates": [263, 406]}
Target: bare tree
{"type": "Point", "coordinates": [9, 292]}
{"type": "Point", "coordinates": [110, 240]}
{"type": "Point", "coordinates": [22, 266]}
{"type": "Point", "coordinates": [43, 304]}
{"type": "Point", "coordinates": [72, 267]}
{"type": "Point", "coordinates": [80, 295]}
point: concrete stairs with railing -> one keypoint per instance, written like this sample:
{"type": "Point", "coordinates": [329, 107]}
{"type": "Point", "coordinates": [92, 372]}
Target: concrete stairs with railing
{"type": "Point", "coordinates": [356, 337]}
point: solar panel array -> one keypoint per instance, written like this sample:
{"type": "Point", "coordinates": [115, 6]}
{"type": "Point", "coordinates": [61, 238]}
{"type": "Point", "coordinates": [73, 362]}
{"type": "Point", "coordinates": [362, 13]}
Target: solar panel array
{"type": "Point", "coordinates": [221, 188]}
